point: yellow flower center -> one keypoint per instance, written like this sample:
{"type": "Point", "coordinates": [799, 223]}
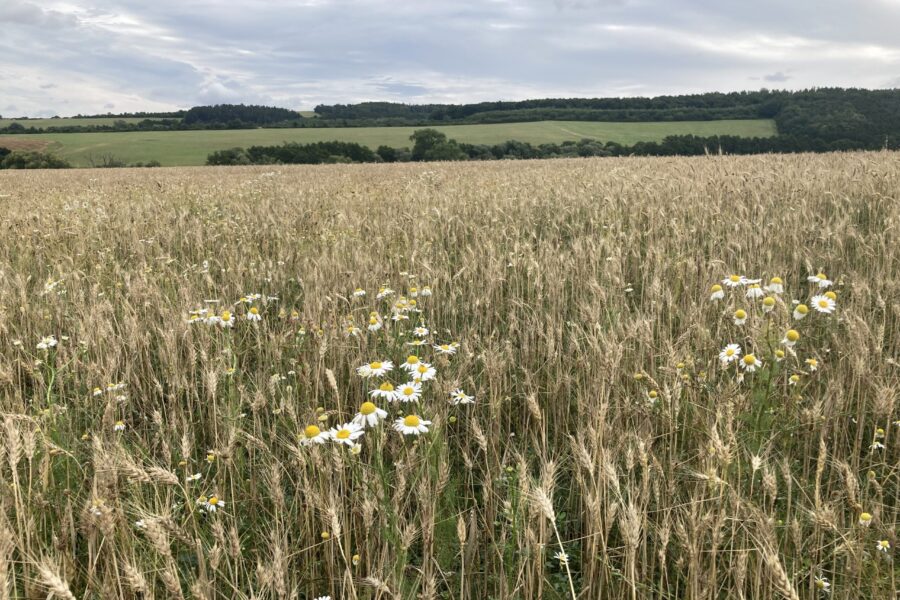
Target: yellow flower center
{"type": "Point", "coordinates": [865, 517]}
{"type": "Point", "coordinates": [422, 369]}
{"type": "Point", "coordinates": [749, 359]}
{"type": "Point", "coordinates": [411, 421]}
{"type": "Point", "coordinates": [312, 431]}
{"type": "Point", "coordinates": [254, 311]}
{"type": "Point", "coordinates": [375, 365]}
{"type": "Point", "coordinates": [831, 295]}
{"type": "Point", "coordinates": [409, 391]}
{"type": "Point", "coordinates": [740, 314]}
{"type": "Point", "coordinates": [735, 278]}
{"type": "Point", "coordinates": [716, 288]}
{"type": "Point", "coordinates": [372, 320]}
{"type": "Point", "coordinates": [770, 301]}
{"type": "Point", "coordinates": [779, 353]}
{"type": "Point", "coordinates": [795, 378]}
{"type": "Point", "coordinates": [802, 309]}
{"type": "Point", "coordinates": [226, 315]}
{"type": "Point", "coordinates": [412, 360]}
{"type": "Point", "coordinates": [367, 408]}
{"type": "Point", "coordinates": [823, 303]}
{"type": "Point", "coordinates": [821, 276]}
{"type": "Point", "coordinates": [413, 290]}
{"type": "Point", "coordinates": [776, 280]}
{"type": "Point", "coordinates": [343, 434]}
{"type": "Point", "coordinates": [653, 394]}
{"type": "Point", "coordinates": [213, 500]}
{"type": "Point", "coordinates": [792, 335]}
{"type": "Point", "coordinates": [729, 352]}
{"type": "Point", "coordinates": [445, 347]}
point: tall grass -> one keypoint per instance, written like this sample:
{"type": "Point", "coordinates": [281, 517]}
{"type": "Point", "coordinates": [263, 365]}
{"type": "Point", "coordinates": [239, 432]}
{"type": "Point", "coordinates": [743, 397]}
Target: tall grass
{"type": "Point", "coordinates": [608, 454]}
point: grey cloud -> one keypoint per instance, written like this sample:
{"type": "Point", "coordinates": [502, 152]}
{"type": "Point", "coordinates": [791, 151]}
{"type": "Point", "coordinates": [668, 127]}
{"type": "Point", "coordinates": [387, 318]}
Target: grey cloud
{"type": "Point", "coordinates": [778, 77]}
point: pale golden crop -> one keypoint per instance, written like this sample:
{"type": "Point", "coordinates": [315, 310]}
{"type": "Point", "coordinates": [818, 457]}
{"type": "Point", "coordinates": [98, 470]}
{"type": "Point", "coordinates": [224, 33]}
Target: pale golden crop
{"type": "Point", "coordinates": [613, 378]}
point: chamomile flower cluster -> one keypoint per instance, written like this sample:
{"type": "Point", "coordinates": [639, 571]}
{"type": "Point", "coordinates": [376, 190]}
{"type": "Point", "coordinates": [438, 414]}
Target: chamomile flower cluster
{"type": "Point", "coordinates": [766, 324]}
{"type": "Point", "coordinates": [399, 388]}
{"type": "Point", "coordinates": [248, 308]}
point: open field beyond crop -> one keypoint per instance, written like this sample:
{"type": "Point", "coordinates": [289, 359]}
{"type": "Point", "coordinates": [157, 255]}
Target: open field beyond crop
{"type": "Point", "coordinates": [195, 403]}
{"type": "Point", "coordinates": [71, 121]}
{"type": "Point", "coordinates": [188, 148]}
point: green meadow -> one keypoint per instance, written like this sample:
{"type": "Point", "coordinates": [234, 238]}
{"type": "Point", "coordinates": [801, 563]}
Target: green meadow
{"type": "Point", "coordinates": [189, 148]}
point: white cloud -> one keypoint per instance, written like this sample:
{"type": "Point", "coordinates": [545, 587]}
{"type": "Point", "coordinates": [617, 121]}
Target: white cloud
{"type": "Point", "coordinates": [168, 54]}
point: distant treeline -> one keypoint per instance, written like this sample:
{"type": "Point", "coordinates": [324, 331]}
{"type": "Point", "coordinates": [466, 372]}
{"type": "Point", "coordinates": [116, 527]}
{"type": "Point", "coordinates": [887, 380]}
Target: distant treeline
{"type": "Point", "coordinates": [826, 117]}
{"type": "Point", "coordinates": [433, 145]}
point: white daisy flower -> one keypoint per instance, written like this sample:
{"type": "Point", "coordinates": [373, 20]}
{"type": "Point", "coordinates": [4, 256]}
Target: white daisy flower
{"type": "Point", "coordinates": [791, 337]}
{"type": "Point", "coordinates": [313, 435]}
{"type": "Point", "coordinates": [375, 369]}
{"type": "Point", "coordinates": [409, 392]}
{"type": "Point", "coordinates": [823, 304]}
{"type": "Point", "coordinates": [359, 293]}
{"type": "Point", "coordinates": [424, 372]}
{"type": "Point", "coordinates": [740, 316]}
{"type": "Point", "coordinates": [226, 319]}
{"type": "Point", "coordinates": [458, 396]}
{"type": "Point", "coordinates": [47, 342]}
{"type": "Point", "coordinates": [194, 477]}
{"type": "Point", "coordinates": [384, 392]}
{"type": "Point", "coordinates": [751, 363]}
{"type": "Point", "coordinates": [822, 584]}
{"type": "Point", "coordinates": [812, 364]}
{"type": "Point", "coordinates": [416, 343]}
{"type": "Point", "coordinates": [716, 293]}
{"type": "Point", "coordinates": [729, 354]}
{"type": "Point", "coordinates": [776, 286]}
{"type": "Point", "coordinates": [383, 292]}
{"type": "Point", "coordinates": [735, 280]}
{"type": "Point", "coordinates": [323, 598]}
{"type": "Point", "coordinates": [352, 331]}
{"type": "Point", "coordinates": [346, 434]}
{"type": "Point", "coordinates": [213, 503]}
{"type": "Point", "coordinates": [413, 292]}
{"type": "Point", "coordinates": [399, 316]}
{"type": "Point", "coordinates": [876, 445]}
{"type": "Point", "coordinates": [821, 280]}
{"type": "Point", "coordinates": [883, 546]}
{"type": "Point", "coordinates": [119, 426]}
{"type": "Point", "coordinates": [369, 415]}
{"type": "Point", "coordinates": [562, 557]}
{"type": "Point", "coordinates": [253, 314]}
{"type": "Point", "coordinates": [420, 331]}
{"type": "Point", "coordinates": [865, 519]}
{"type": "Point", "coordinates": [374, 323]}
{"type": "Point", "coordinates": [768, 304]}
{"type": "Point", "coordinates": [447, 349]}
{"type": "Point", "coordinates": [800, 311]}
{"type": "Point", "coordinates": [754, 291]}
{"type": "Point", "coordinates": [411, 425]}
{"type": "Point", "coordinates": [411, 363]}
{"type": "Point", "coordinates": [425, 291]}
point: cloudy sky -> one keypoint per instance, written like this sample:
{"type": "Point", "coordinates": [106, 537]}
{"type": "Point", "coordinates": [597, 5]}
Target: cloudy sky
{"type": "Point", "coordinates": [90, 56]}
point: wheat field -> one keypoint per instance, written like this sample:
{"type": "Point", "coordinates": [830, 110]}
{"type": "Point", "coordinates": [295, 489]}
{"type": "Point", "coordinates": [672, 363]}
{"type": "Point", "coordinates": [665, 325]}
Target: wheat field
{"type": "Point", "coordinates": [209, 390]}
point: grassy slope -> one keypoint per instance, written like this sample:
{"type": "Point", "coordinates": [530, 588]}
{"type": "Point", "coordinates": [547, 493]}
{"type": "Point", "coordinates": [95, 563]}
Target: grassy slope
{"type": "Point", "coordinates": [174, 148]}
